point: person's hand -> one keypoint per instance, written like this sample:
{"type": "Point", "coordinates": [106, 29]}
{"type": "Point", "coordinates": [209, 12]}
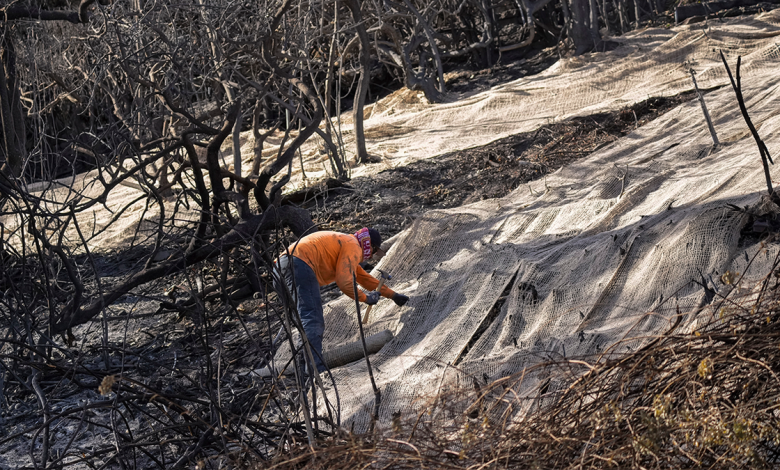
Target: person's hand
{"type": "Point", "coordinates": [400, 299]}
{"type": "Point", "coordinates": [372, 297]}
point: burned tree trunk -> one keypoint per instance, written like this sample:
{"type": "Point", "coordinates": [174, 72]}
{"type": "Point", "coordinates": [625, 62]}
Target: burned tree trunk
{"type": "Point", "coordinates": [582, 34]}
{"type": "Point", "coordinates": [362, 87]}
{"type": "Point", "coordinates": [13, 133]}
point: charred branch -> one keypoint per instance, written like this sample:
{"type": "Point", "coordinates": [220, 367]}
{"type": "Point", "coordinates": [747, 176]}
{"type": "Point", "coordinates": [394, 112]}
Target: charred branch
{"type": "Point", "coordinates": [297, 220]}
{"type": "Point", "coordinates": [766, 159]}
{"type": "Point", "coordinates": [17, 12]}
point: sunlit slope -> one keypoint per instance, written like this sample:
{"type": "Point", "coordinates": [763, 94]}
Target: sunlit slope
{"type": "Point", "coordinates": [648, 63]}
{"type": "Point", "coordinates": [603, 250]}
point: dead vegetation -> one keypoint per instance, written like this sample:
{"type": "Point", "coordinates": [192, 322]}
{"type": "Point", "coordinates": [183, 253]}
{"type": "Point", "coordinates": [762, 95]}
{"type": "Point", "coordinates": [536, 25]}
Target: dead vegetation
{"type": "Point", "coordinates": [141, 359]}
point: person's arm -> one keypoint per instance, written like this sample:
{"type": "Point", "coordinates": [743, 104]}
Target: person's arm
{"type": "Point", "coordinates": [369, 282]}
{"type": "Point", "coordinates": [347, 261]}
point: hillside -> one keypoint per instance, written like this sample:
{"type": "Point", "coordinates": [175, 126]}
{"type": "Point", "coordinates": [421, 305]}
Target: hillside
{"type": "Point", "coordinates": [614, 246]}
{"type": "Point", "coordinates": [572, 242]}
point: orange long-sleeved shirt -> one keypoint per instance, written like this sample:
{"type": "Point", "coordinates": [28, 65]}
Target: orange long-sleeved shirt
{"type": "Point", "coordinates": [333, 256]}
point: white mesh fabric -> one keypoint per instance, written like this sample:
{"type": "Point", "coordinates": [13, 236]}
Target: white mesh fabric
{"type": "Point", "coordinates": [609, 245]}
{"type": "Point", "coordinates": [648, 63]}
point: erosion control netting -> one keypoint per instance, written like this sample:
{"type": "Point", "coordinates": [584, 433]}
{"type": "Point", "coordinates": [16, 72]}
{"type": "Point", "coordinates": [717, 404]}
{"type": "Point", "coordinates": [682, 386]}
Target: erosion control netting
{"type": "Point", "coordinates": [601, 251]}
{"type": "Point", "coordinates": [578, 260]}
{"type": "Point", "coordinates": [648, 63]}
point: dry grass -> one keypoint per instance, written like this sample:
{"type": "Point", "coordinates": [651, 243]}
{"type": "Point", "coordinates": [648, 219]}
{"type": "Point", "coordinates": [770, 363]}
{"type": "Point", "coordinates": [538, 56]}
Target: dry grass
{"type": "Point", "coordinates": [704, 399]}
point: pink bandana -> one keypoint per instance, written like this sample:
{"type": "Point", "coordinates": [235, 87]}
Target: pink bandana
{"type": "Point", "coordinates": [364, 239]}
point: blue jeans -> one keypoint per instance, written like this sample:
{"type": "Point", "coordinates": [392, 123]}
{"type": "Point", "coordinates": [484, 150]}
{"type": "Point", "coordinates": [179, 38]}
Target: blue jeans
{"type": "Point", "coordinates": [302, 284]}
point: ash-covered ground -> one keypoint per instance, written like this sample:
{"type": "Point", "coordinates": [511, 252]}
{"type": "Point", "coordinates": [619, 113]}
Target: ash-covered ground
{"type": "Point", "coordinates": [392, 199]}
{"type": "Point", "coordinates": [173, 371]}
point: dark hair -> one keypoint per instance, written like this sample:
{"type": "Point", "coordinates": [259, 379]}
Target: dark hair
{"type": "Point", "coordinates": [376, 238]}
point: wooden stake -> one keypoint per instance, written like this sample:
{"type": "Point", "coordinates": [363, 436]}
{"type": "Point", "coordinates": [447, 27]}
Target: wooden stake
{"type": "Point", "coordinates": [704, 109]}
{"type": "Point", "coordinates": [368, 310]}
{"type": "Point", "coordinates": [377, 392]}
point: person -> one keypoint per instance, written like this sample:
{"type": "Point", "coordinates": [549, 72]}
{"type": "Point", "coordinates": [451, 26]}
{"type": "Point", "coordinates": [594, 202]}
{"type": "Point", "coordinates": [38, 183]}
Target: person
{"type": "Point", "coordinates": [319, 259]}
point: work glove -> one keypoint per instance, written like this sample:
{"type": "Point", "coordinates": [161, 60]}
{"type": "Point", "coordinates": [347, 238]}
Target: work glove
{"type": "Point", "coordinates": [400, 299]}
{"type": "Point", "coordinates": [372, 297]}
